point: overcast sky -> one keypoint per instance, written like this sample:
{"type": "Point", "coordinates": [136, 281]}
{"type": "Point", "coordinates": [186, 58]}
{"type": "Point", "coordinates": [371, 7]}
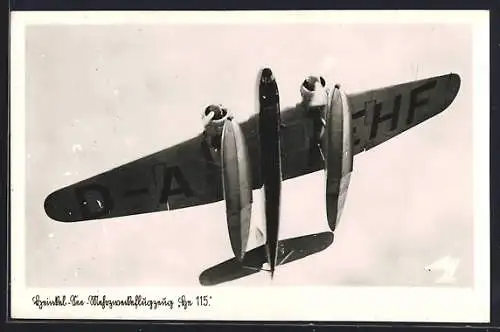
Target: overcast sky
{"type": "Point", "coordinates": [100, 96]}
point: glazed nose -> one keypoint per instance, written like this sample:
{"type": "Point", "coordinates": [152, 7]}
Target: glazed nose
{"type": "Point", "coordinates": [266, 75]}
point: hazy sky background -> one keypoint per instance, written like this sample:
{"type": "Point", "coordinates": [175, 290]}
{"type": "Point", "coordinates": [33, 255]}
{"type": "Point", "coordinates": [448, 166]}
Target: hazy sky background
{"type": "Point", "coordinates": [101, 96]}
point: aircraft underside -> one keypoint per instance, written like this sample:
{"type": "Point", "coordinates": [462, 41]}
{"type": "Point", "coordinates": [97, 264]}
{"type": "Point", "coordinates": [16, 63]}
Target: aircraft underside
{"type": "Point", "coordinates": [331, 138]}
{"type": "Point", "coordinates": [229, 160]}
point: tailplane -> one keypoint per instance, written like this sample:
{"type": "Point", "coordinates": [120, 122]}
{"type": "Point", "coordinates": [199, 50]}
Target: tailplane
{"type": "Point", "coordinates": [289, 250]}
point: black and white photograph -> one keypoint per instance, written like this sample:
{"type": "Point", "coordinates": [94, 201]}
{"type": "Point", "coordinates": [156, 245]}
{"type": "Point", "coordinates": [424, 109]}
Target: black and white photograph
{"type": "Point", "coordinates": [315, 165]}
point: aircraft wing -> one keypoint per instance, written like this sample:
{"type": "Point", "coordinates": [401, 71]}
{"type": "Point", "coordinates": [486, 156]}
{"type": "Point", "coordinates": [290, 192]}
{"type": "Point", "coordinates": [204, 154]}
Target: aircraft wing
{"type": "Point", "coordinates": [377, 116]}
{"type": "Point", "coordinates": [381, 114]}
{"type": "Point", "coordinates": [186, 175]}
{"type": "Point", "coordinates": [181, 176]}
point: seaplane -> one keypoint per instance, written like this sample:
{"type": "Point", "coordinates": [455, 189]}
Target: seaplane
{"type": "Point", "coordinates": [228, 160]}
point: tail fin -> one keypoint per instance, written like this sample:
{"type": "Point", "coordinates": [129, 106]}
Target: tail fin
{"type": "Point", "coordinates": [289, 250]}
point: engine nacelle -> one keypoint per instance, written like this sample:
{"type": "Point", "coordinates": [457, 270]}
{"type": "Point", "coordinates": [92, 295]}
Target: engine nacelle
{"type": "Point", "coordinates": [313, 91]}
{"type": "Point", "coordinates": [214, 117]}
{"type": "Point", "coordinates": [337, 143]}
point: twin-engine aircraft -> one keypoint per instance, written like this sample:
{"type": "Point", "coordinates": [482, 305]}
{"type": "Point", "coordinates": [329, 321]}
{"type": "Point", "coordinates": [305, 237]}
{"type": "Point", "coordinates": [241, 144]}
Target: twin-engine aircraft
{"type": "Point", "coordinates": [228, 161]}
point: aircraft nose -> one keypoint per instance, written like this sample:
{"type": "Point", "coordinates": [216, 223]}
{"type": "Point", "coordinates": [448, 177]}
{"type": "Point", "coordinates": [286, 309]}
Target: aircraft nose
{"type": "Point", "coordinates": [266, 76]}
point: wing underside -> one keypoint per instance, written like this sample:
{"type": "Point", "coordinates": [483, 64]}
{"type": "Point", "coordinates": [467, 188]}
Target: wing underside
{"type": "Point", "coordinates": [181, 176]}
{"type": "Point", "coordinates": [186, 174]}
{"type": "Point", "coordinates": [382, 114]}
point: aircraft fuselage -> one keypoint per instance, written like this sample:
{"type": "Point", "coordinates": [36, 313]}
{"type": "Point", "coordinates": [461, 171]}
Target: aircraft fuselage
{"type": "Point", "coordinates": [270, 149]}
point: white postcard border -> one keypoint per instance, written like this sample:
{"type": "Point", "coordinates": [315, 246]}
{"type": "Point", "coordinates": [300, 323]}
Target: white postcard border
{"type": "Point", "coordinates": [281, 303]}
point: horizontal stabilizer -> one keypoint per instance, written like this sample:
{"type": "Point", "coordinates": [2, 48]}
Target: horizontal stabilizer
{"type": "Point", "coordinates": [289, 250]}
{"type": "Point", "coordinates": [296, 248]}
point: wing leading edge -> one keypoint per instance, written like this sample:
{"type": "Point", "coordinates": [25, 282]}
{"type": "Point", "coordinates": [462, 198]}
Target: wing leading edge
{"type": "Point", "coordinates": [186, 174]}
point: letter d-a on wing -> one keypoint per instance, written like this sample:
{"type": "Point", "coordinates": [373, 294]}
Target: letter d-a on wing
{"type": "Point", "coordinates": [237, 185]}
